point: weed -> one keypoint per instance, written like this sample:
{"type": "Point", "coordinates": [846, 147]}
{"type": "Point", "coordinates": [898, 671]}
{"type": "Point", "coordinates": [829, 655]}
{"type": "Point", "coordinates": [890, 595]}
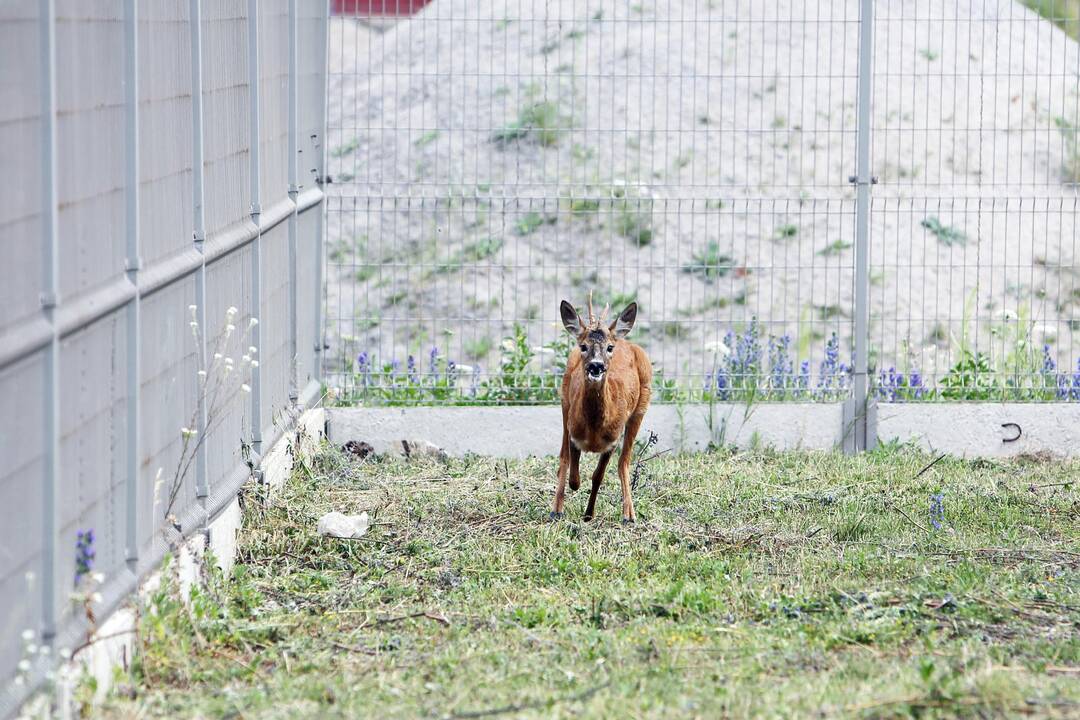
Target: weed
{"type": "Point", "coordinates": [710, 263]}
{"type": "Point", "coordinates": [947, 236]}
{"type": "Point", "coordinates": [787, 231]}
{"type": "Point", "coordinates": [427, 138]}
{"type": "Point", "coordinates": [532, 221]}
{"type": "Point", "coordinates": [836, 247]}
{"type": "Point", "coordinates": [346, 149]}
{"type": "Point", "coordinates": [540, 121]}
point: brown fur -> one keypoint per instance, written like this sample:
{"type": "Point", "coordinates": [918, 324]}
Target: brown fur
{"type": "Point", "coordinates": [596, 414]}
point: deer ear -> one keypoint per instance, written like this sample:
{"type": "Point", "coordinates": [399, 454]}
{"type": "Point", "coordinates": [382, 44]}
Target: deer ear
{"type": "Point", "coordinates": [621, 326]}
{"type": "Point", "coordinates": [570, 319]}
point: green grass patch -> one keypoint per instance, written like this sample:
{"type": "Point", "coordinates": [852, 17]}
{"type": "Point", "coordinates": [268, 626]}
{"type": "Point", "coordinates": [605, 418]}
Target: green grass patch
{"type": "Point", "coordinates": [531, 222]}
{"type": "Point", "coordinates": [836, 247]}
{"type": "Point", "coordinates": [709, 264]}
{"type": "Point", "coordinates": [346, 149]}
{"type": "Point", "coordinates": [540, 121]}
{"type": "Point", "coordinates": [753, 585]}
{"type": "Point", "coordinates": [946, 235]}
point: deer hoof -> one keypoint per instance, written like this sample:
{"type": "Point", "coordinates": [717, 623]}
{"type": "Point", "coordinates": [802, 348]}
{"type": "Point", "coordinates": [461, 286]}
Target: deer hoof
{"type": "Point", "coordinates": [628, 521]}
{"type": "Point", "coordinates": [553, 516]}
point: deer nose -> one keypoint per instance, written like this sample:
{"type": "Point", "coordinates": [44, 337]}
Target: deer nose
{"type": "Point", "coordinates": [595, 368]}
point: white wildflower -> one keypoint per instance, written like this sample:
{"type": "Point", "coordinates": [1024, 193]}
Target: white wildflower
{"type": "Point", "coordinates": [229, 329]}
{"type": "Point", "coordinates": [24, 666]}
{"type": "Point", "coordinates": [231, 312]}
{"type": "Point", "coordinates": [27, 635]}
{"type": "Point", "coordinates": [217, 356]}
{"type": "Point", "coordinates": [96, 598]}
{"type": "Point", "coordinates": [98, 577]}
{"type": "Point", "coordinates": [202, 373]}
{"type": "Point", "coordinates": [465, 369]}
{"type": "Point", "coordinates": [19, 681]}
{"type": "Point", "coordinates": [252, 323]}
{"type": "Point", "coordinates": [254, 363]}
{"type": "Point", "coordinates": [246, 388]}
{"type": "Point", "coordinates": [253, 350]}
{"type": "Point", "coordinates": [31, 649]}
{"type": "Point", "coordinates": [188, 432]}
{"type": "Point", "coordinates": [245, 358]}
{"type": "Point", "coordinates": [65, 653]}
{"type": "Point", "coordinates": [192, 309]}
{"type": "Point", "coordinates": [45, 651]}
{"type": "Point", "coordinates": [508, 345]}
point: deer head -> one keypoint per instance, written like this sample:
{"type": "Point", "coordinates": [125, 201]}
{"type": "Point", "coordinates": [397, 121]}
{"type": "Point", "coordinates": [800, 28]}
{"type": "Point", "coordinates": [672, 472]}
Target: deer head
{"type": "Point", "coordinates": [595, 341]}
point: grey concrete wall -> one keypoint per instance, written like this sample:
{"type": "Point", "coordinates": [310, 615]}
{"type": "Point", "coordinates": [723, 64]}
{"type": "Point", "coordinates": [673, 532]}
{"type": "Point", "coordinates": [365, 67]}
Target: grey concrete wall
{"type": "Point", "coordinates": [516, 432]}
{"type": "Point", "coordinates": [964, 429]}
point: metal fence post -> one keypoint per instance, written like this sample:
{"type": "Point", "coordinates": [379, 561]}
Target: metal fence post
{"type": "Point", "coordinates": [195, 26]}
{"type": "Point", "coordinates": [50, 524]}
{"type": "Point", "coordinates": [320, 173]}
{"type": "Point", "coordinates": [255, 154]}
{"type": "Point", "coordinates": [294, 191]}
{"type": "Point", "coordinates": [863, 434]}
{"type": "Point", "coordinates": [132, 265]}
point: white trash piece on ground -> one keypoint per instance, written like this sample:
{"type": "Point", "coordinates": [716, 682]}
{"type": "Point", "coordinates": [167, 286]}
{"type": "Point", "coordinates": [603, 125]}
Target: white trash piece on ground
{"type": "Point", "coordinates": [337, 524]}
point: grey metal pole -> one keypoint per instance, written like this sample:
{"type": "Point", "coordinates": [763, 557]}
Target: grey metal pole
{"type": "Point", "coordinates": [294, 191]}
{"type": "Point", "coordinates": [863, 180]}
{"type": "Point", "coordinates": [319, 148]}
{"type": "Point", "coordinates": [132, 264]}
{"type": "Point", "coordinates": [255, 153]}
{"type": "Point", "coordinates": [50, 524]}
{"type": "Point", "coordinates": [195, 27]}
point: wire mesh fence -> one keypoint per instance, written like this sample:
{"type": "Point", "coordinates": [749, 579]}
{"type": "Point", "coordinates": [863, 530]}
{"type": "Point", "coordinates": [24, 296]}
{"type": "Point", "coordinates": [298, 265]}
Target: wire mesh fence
{"type": "Point", "coordinates": [490, 159]}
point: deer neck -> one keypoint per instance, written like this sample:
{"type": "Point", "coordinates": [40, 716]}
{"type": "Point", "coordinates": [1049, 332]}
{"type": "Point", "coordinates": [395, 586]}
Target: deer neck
{"type": "Point", "coordinates": [595, 400]}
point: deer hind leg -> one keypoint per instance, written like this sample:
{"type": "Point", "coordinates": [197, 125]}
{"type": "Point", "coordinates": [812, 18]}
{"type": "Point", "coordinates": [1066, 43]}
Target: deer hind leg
{"type": "Point", "coordinates": [597, 478]}
{"type": "Point", "coordinates": [632, 427]}
{"type": "Point", "coordinates": [560, 483]}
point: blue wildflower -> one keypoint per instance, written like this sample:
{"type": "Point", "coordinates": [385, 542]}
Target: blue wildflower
{"type": "Point", "coordinates": [410, 371]}
{"type": "Point", "coordinates": [84, 554]}
{"type": "Point", "coordinates": [937, 510]}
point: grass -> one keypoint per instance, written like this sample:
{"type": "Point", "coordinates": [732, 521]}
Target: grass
{"type": "Point", "coordinates": [753, 585]}
{"type": "Point", "coordinates": [1063, 13]}
{"type": "Point", "coordinates": [709, 263]}
{"type": "Point", "coordinates": [946, 235]}
{"type": "Point", "coordinates": [540, 121]}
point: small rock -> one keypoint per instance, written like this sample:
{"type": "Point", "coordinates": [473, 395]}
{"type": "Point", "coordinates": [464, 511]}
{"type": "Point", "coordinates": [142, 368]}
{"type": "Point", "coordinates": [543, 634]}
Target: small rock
{"type": "Point", "coordinates": [421, 448]}
{"type": "Point", "coordinates": [337, 524]}
{"type": "Point", "coordinates": [361, 450]}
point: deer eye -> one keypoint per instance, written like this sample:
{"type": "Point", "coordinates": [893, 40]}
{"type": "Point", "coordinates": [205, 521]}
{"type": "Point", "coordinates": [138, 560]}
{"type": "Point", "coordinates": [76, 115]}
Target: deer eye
{"type": "Point", "coordinates": [610, 349]}
{"type": "Point", "coordinates": [584, 348]}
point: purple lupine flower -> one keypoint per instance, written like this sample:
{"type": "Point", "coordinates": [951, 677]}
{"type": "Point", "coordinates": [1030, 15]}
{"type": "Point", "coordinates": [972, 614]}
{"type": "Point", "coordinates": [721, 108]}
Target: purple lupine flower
{"type": "Point", "coordinates": [395, 368]}
{"type": "Point", "coordinates": [723, 384]}
{"type": "Point", "coordinates": [451, 373]}
{"type": "Point", "coordinates": [803, 382]}
{"type": "Point", "coordinates": [937, 510]}
{"type": "Point", "coordinates": [433, 362]}
{"type": "Point", "coordinates": [830, 367]}
{"type": "Point", "coordinates": [707, 383]}
{"type": "Point", "coordinates": [1049, 367]}
{"type": "Point", "coordinates": [363, 369]}
{"type": "Point", "coordinates": [781, 372]}
{"type": "Point", "coordinates": [410, 371]}
{"type": "Point", "coordinates": [84, 554]}
{"type": "Point", "coordinates": [915, 383]}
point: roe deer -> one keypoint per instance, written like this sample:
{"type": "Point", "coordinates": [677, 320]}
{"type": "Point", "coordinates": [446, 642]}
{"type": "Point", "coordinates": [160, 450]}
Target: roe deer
{"type": "Point", "coordinates": [605, 393]}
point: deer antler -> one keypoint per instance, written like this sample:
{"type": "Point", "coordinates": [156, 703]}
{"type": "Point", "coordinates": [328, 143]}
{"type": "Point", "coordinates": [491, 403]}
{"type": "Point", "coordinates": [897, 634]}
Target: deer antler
{"type": "Point", "coordinates": [591, 318]}
{"type": "Point", "coordinates": [603, 315]}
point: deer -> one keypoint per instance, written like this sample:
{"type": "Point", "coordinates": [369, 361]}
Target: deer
{"type": "Point", "coordinates": [605, 392]}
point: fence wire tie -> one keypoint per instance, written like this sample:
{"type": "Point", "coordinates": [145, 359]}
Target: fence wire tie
{"type": "Point", "coordinates": [1015, 437]}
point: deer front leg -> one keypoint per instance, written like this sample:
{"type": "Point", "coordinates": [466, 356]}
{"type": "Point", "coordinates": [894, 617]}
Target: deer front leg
{"type": "Point", "coordinates": [560, 483]}
{"type": "Point", "coordinates": [632, 427]}
{"type": "Point", "coordinates": [597, 478]}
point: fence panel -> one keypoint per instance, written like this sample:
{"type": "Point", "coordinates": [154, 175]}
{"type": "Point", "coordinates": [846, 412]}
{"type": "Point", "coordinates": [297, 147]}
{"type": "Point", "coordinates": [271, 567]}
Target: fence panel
{"type": "Point", "coordinates": [492, 159]}
{"type": "Point", "coordinates": [975, 267]}
{"type": "Point", "coordinates": [145, 110]}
